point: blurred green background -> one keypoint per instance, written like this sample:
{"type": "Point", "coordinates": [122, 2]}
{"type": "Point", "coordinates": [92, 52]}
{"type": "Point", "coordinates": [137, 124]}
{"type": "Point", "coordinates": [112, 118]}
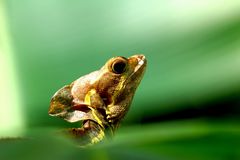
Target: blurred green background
{"type": "Point", "coordinates": [187, 106]}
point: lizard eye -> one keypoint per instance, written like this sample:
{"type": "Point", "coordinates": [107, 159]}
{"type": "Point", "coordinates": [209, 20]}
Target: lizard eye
{"type": "Point", "coordinates": [119, 66]}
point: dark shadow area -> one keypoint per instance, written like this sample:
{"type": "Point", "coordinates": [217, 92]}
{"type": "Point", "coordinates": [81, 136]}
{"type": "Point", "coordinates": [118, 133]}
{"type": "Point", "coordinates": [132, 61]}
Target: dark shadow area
{"type": "Point", "coordinates": [227, 107]}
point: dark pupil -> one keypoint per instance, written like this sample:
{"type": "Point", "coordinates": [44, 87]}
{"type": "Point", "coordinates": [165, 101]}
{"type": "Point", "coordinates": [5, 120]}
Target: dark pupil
{"type": "Point", "coordinates": [119, 67]}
